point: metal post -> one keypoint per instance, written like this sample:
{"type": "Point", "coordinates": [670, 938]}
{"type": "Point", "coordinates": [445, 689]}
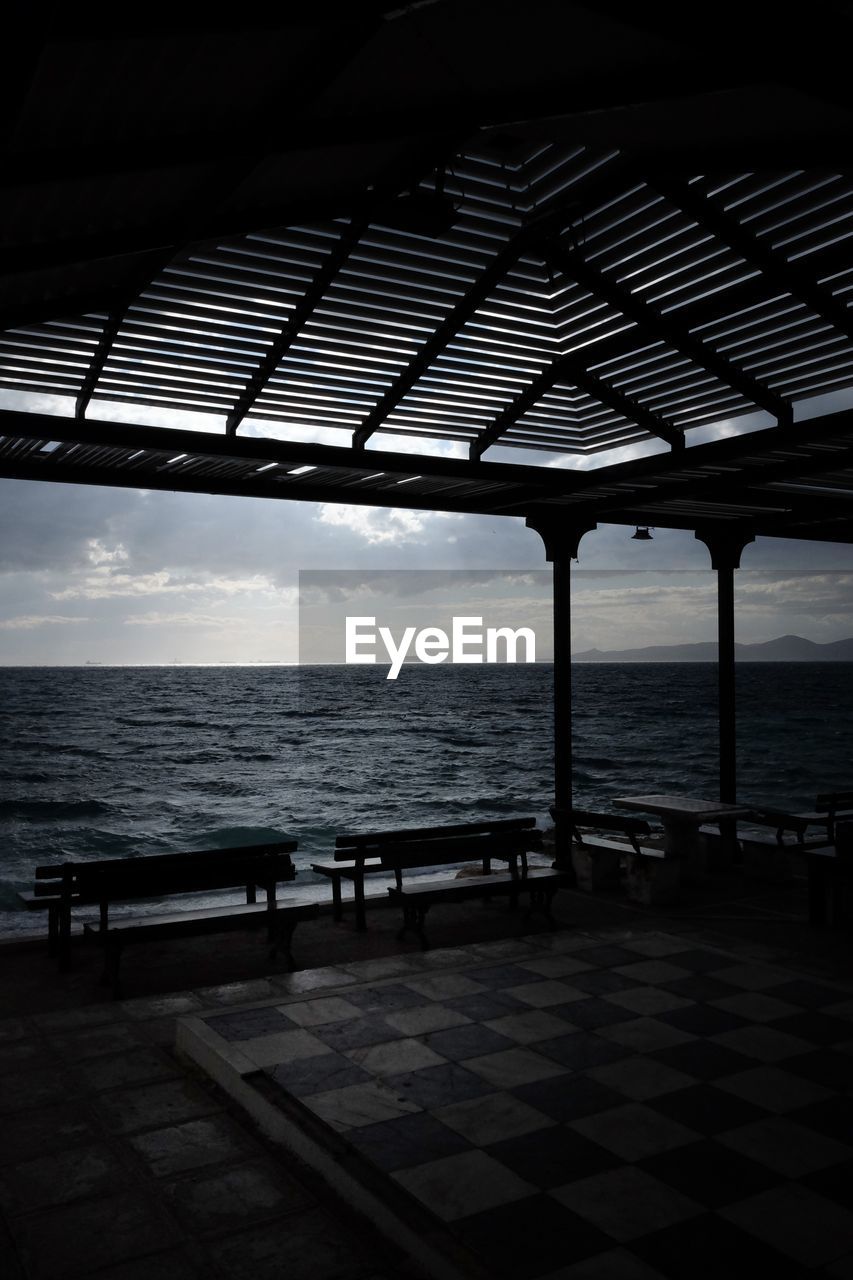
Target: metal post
{"type": "Point", "coordinates": [561, 547]}
{"type": "Point", "coordinates": [562, 683]}
{"type": "Point", "coordinates": [726, 678]}
{"type": "Point", "coordinates": [726, 549]}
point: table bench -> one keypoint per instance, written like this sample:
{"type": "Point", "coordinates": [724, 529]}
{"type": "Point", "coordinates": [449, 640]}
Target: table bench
{"type": "Point", "coordinates": [416, 896]}
{"type": "Point", "coordinates": [830, 871]}
{"type": "Point", "coordinates": [110, 882]}
{"type": "Point", "coordinates": [832, 807]}
{"type": "Point", "coordinates": [769, 838]}
{"type": "Point", "coordinates": [357, 856]}
{"type": "Point", "coordinates": [596, 859]}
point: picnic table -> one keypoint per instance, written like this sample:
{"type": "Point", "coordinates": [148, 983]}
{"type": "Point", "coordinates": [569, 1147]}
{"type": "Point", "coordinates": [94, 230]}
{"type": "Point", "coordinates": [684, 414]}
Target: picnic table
{"type": "Point", "coordinates": [681, 817]}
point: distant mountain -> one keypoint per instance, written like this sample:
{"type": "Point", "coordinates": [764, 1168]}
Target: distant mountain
{"type": "Point", "coordinates": [784, 649]}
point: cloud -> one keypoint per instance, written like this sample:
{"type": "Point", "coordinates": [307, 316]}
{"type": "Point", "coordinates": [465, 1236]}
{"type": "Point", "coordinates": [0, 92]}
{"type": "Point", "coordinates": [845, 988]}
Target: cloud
{"type": "Point", "coordinates": [29, 622]}
{"type": "Point", "coordinates": [375, 525]}
{"type": "Point", "coordinates": [156, 618]}
{"type": "Point", "coordinates": [104, 583]}
{"type": "Point", "coordinates": [341, 584]}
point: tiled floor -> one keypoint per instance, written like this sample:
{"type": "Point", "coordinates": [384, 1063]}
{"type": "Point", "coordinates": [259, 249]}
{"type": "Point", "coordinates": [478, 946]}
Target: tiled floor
{"type": "Point", "coordinates": [116, 1163]}
{"type": "Point", "coordinates": [572, 1106]}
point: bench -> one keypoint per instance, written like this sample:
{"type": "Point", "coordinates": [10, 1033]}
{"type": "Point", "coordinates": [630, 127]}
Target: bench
{"type": "Point", "coordinates": [652, 876]}
{"type": "Point", "coordinates": [832, 806]}
{"type": "Point", "coordinates": [766, 852]}
{"type": "Point", "coordinates": [416, 896]}
{"type": "Point", "coordinates": [830, 871]}
{"type": "Point", "coordinates": [113, 881]}
{"type": "Point", "coordinates": [357, 856]}
{"type": "Point", "coordinates": [596, 859]}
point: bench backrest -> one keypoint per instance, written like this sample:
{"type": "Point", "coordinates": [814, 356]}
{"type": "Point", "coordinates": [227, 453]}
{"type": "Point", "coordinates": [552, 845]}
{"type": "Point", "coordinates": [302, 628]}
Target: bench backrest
{"type": "Point", "coordinates": [833, 804]}
{"type": "Point", "coordinates": [509, 846]}
{"type": "Point", "coordinates": [154, 875]}
{"type": "Point", "coordinates": [832, 801]}
{"type": "Point", "coordinates": [94, 884]}
{"type": "Point", "coordinates": [782, 821]}
{"type": "Point", "coordinates": [363, 840]}
{"type": "Point", "coordinates": [576, 819]}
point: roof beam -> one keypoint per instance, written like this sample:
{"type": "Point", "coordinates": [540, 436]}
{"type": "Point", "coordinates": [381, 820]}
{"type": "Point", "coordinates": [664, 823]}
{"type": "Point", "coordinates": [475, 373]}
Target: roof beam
{"type": "Point", "coordinates": [571, 370]}
{"type": "Point", "coordinates": [806, 432]}
{"type": "Point", "coordinates": [497, 488]}
{"type": "Point", "coordinates": [112, 326]}
{"type": "Point", "coordinates": [60, 472]}
{"type": "Point", "coordinates": [572, 264]}
{"type": "Point", "coordinates": [776, 270]}
{"type": "Point", "coordinates": [303, 311]}
{"type": "Point", "coordinates": [542, 482]}
{"type": "Point", "coordinates": [794, 523]}
{"type": "Point", "coordinates": [712, 487]}
{"type": "Point", "coordinates": [459, 316]}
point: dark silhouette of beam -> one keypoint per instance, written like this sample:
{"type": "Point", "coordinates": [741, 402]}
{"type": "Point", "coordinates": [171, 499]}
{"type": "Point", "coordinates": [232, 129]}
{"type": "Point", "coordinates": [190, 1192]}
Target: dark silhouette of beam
{"type": "Point", "coordinates": [778, 272]}
{"type": "Point", "coordinates": [112, 325]}
{"type": "Point", "coordinates": [737, 485]}
{"type": "Point", "coordinates": [303, 311]}
{"type": "Point", "coordinates": [459, 316]}
{"type": "Point", "coordinates": [571, 263]}
{"type": "Point", "coordinates": [532, 481]}
{"type": "Point", "coordinates": [570, 369]}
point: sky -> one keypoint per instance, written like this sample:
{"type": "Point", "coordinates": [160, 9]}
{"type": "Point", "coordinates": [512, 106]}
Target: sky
{"type": "Point", "coordinates": [126, 576]}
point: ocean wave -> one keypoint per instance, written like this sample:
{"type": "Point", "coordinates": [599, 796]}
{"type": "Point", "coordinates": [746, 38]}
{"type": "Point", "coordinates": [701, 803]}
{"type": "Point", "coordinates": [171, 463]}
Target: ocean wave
{"type": "Point", "coordinates": [51, 810]}
{"type": "Point", "coordinates": [232, 837]}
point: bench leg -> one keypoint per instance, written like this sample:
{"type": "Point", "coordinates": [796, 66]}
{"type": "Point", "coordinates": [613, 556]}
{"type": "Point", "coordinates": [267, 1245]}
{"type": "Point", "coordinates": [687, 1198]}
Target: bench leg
{"type": "Point", "coordinates": [282, 940]}
{"type": "Point", "coordinates": [53, 928]}
{"type": "Point", "coordinates": [541, 898]}
{"type": "Point", "coordinates": [337, 901]}
{"type": "Point", "coordinates": [360, 913]}
{"type": "Point", "coordinates": [413, 918]}
{"type": "Point", "coordinates": [64, 936]}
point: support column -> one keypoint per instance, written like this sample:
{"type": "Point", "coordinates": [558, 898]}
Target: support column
{"type": "Point", "coordinates": [561, 547]}
{"type": "Point", "coordinates": [726, 549]}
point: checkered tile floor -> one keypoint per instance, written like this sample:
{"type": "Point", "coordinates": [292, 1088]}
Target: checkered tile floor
{"type": "Point", "coordinates": [585, 1107]}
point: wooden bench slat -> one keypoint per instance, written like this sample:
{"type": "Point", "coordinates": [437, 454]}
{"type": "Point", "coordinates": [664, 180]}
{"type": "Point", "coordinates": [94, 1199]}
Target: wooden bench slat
{"type": "Point", "coordinates": [363, 838]}
{"type": "Point", "coordinates": [830, 801]}
{"type": "Point", "coordinates": [185, 923]}
{"type": "Point", "coordinates": [431, 853]}
{"type": "Point", "coordinates": [341, 868]}
{"type": "Point", "coordinates": [95, 886]}
{"type": "Point", "coordinates": [35, 901]}
{"type": "Point", "coordinates": [474, 886]}
{"type": "Point", "coordinates": [603, 821]}
{"type": "Point", "coordinates": [596, 842]}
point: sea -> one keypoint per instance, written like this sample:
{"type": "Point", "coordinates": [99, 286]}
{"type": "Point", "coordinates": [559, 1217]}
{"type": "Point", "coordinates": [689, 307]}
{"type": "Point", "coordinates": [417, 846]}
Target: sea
{"type": "Point", "coordinates": [102, 761]}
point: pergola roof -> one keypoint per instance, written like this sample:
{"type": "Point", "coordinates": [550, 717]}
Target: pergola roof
{"type": "Point", "coordinates": [523, 229]}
